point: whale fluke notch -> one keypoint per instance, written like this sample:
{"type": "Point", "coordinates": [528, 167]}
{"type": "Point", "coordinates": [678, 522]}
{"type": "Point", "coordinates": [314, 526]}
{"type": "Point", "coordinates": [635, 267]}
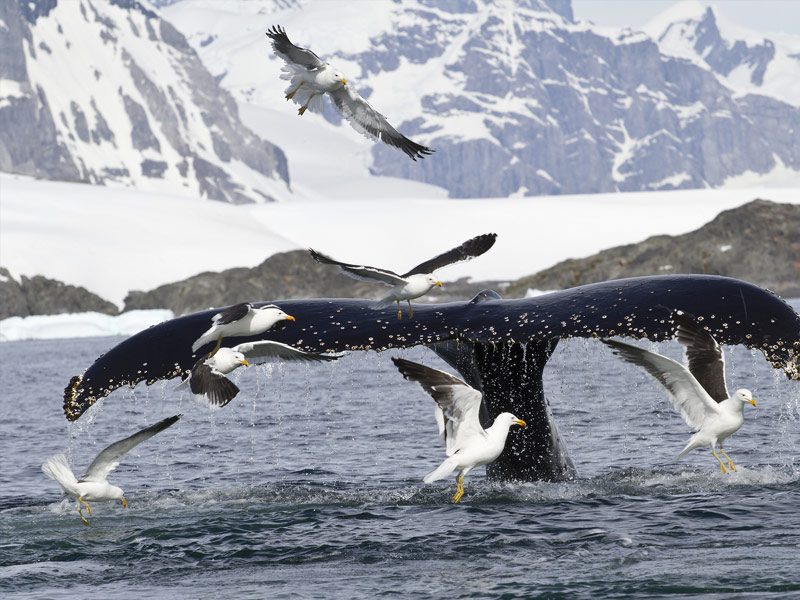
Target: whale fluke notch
{"type": "Point", "coordinates": [499, 346]}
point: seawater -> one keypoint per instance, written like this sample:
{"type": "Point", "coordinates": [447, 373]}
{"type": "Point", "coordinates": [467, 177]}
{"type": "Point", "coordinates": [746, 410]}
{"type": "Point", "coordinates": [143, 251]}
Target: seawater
{"type": "Point", "coordinates": [309, 485]}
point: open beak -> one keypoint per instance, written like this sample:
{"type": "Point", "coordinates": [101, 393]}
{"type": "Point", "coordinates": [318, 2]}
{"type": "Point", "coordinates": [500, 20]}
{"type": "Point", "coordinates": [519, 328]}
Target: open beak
{"type": "Point", "coordinates": [752, 401]}
{"type": "Point", "coordinates": [125, 504]}
{"type": "Point", "coordinates": [245, 363]}
{"type": "Point", "coordinates": [289, 318]}
{"type": "Point", "coordinates": [520, 422]}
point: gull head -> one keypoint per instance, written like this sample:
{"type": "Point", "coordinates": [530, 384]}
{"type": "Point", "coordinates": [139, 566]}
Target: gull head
{"type": "Point", "coordinates": [744, 396]}
{"type": "Point", "coordinates": [432, 281]}
{"type": "Point", "coordinates": [227, 359]}
{"type": "Point", "coordinates": [509, 419]}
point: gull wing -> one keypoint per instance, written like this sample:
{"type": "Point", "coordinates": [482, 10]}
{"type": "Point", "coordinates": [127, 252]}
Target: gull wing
{"type": "Point", "coordinates": [469, 249]}
{"type": "Point", "coordinates": [459, 403]}
{"type": "Point", "coordinates": [704, 355]}
{"type": "Point", "coordinates": [265, 350]}
{"type": "Point", "coordinates": [109, 458]}
{"type": "Point", "coordinates": [293, 55]}
{"type": "Point", "coordinates": [372, 124]}
{"type": "Point", "coordinates": [211, 383]}
{"type": "Point", "coordinates": [686, 393]}
{"type": "Point", "coordinates": [360, 272]}
{"type": "Point", "coordinates": [232, 313]}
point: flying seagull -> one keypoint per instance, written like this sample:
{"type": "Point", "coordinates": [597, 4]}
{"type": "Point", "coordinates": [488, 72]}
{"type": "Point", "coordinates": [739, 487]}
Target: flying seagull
{"type": "Point", "coordinates": [92, 486]}
{"type": "Point", "coordinates": [419, 280]}
{"type": "Point", "coordinates": [468, 445]}
{"type": "Point", "coordinates": [699, 393]}
{"type": "Point", "coordinates": [311, 78]}
{"type": "Point", "coordinates": [207, 377]}
{"type": "Point", "coordinates": [241, 320]}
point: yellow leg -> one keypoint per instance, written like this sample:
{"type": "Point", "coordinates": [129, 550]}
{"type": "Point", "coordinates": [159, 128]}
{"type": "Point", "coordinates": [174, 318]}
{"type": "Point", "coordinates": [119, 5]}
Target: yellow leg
{"type": "Point", "coordinates": [410, 310]}
{"type": "Point", "coordinates": [82, 501]}
{"type": "Point", "coordinates": [730, 462]}
{"type": "Point", "coordinates": [291, 94]}
{"type": "Point", "coordinates": [399, 311]}
{"type": "Point", "coordinates": [80, 512]}
{"type": "Point", "coordinates": [459, 489]}
{"type": "Point", "coordinates": [721, 466]}
{"type": "Point", "coordinates": [305, 106]}
{"type": "Point", "coordinates": [216, 348]}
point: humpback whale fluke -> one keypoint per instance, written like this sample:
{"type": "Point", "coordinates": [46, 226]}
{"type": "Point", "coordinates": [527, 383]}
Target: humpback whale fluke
{"type": "Point", "coordinates": [499, 346]}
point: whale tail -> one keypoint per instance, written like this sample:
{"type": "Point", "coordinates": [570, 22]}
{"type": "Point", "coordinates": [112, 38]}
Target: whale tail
{"type": "Point", "coordinates": [442, 471]}
{"type": "Point", "coordinates": [56, 467]}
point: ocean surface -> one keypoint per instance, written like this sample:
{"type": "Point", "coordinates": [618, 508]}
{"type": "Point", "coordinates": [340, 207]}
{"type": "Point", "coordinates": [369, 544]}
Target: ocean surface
{"type": "Point", "coordinates": [309, 485]}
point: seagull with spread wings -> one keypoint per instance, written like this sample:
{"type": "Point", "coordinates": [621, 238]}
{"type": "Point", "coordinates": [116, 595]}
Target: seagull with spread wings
{"type": "Point", "coordinates": [93, 486]}
{"type": "Point", "coordinates": [208, 375]}
{"type": "Point", "coordinates": [311, 78]}
{"type": "Point", "coordinates": [241, 319]}
{"type": "Point", "coordinates": [418, 281]}
{"type": "Point", "coordinates": [698, 392]}
{"type": "Point", "coordinates": [468, 445]}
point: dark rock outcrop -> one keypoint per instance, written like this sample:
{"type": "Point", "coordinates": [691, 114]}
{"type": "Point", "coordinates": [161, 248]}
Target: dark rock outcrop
{"type": "Point", "coordinates": [758, 242]}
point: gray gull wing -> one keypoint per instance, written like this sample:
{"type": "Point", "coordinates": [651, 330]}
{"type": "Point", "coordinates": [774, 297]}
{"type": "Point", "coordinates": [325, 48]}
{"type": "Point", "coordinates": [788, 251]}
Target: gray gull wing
{"type": "Point", "coordinates": [109, 458]}
{"type": "Point", "coordinates": [372, 124]}
{"type": "Point", "coordinates": [360, 272]}
{"type": "Point", "coordinates": [686, 393]}
{"type": "Point", "coordinates": [704, 355]}
{"type": "Point", "coordinates": [469, 249]}
{"type": "Point", "coordinates": [267, 349]}
{"type": "Point", "coordinates": [294, 55]}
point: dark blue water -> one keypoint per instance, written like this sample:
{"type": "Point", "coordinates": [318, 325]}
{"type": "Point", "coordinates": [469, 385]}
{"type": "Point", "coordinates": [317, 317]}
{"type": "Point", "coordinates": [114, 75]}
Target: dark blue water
{"type": "Point", "coordinates": [309, 485]}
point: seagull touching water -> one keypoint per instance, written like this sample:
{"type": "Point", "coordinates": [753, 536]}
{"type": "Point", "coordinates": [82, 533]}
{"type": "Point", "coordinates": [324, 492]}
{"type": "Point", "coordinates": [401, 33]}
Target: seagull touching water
{"type": "Point", "coordinates": [699, 393]}
{"type": "Point", "coordinates": [468, 445]}
{"type": "Point", "coordinates": [311, 78]}
{"type": "Point", "coordinates": [92, 486]}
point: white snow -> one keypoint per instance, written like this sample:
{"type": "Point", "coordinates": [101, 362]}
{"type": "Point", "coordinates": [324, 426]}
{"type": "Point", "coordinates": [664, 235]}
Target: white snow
{"type": "Point", "coordinates": [88, 324]}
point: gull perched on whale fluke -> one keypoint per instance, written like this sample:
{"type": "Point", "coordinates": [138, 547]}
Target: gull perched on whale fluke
{"type": "Point", "coordinates": [92, 486]}
{"type": "Point", "coordinates": [207, 377]}
{"type": "Point", "coordinates": [419, 280]}
{"type": "Point", "coordinates": [241, 320]}
{"type": "Point", "coordinates": [311, 78]}
{"type": "Point", "coordinates": [699, 393]}
{"type": "Point", "coordinates": [468, 445]}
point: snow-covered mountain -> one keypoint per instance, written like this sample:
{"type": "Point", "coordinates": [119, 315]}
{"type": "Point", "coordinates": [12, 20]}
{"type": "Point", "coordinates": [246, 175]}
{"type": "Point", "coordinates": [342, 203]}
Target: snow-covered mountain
{"type": "Point", "coordinates": [746, 61]}
{"type": "Point", "coordinates": [106, 91]}
{"type": "Point", "coordinates": [516, 97]}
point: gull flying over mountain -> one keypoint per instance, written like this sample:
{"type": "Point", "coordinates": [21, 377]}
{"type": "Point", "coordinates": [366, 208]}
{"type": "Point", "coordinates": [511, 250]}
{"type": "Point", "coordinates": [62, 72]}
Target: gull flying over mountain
{"type": "Point", "coordinates": [92, 486]}
{"type": "Point", "coordinates": [416, 282]}
{"type": "Point", "coordinates": [311, 78]}
{"type": "Point", "coordinates": [699, 392]}
{"type": "Point", "coordinates": [468, 445]}
{"type": "Point", "coordinates": [207, 377]}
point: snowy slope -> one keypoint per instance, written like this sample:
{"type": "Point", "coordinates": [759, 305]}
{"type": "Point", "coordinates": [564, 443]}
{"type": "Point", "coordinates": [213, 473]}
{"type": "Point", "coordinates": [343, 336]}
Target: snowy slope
{"type": "Point", "coordinates": [108, 92]}
{"type": "Point", "coordinates": [113, 241]}
{"type": "Point", "coordinates": [516, 97]}
{"type": "Point", "coordinates": [747, 61]}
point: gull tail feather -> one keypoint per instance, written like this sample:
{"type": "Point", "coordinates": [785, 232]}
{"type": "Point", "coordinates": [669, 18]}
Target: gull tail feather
{"type": "Point", "coordinates": [442, 471]}
{"type": "Point", "coordinates": [56, 467]}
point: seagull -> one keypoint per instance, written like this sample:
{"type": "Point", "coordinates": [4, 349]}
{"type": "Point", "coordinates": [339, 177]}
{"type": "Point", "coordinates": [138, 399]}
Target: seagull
{"type": "Point", "coordinates": [207, 377]}
{"type": "Point", "coordinates": [241, 320]}
{"type": "Point", "coordinates": [468, 445]}
{"type": "Point", "coordinates": [311, 78]}
{"type": "Point", "coordinates": [92, 486]}
{"type": "Point", "coordinates": [419, 280]}
{"type": "Point", "coordinates": [699, 392]}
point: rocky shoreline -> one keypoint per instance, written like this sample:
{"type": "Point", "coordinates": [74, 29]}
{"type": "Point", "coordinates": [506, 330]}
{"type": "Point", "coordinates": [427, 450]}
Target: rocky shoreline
{"type": "Point", "coordinates": [758, 242]}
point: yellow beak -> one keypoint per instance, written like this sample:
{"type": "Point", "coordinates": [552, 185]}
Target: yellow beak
{"type": "Point", "coordinates": [439, 283]}
{"type": "Point", "coordinates": [343, 80]}
{"type": "Point", "coordinates": [245, 363]}
{"type": "Point", "coordinates": [289, 318]}
{"type": "Point", "coordinates": [125, 504]}
{"type": "Point", "coordinates": [520, 422]}
{"type": "Point", "coordinates": [752, 401]}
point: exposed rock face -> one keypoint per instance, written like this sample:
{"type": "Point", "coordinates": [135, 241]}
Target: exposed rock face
{"type": "Point", "coordinates": [285, 275]}
{"type": "Point", "coordinates": [758, 242]}
{"type": "Point", "coordinates": [41, 296]}
{"type": "Point", "coordinates": [108, 92]}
